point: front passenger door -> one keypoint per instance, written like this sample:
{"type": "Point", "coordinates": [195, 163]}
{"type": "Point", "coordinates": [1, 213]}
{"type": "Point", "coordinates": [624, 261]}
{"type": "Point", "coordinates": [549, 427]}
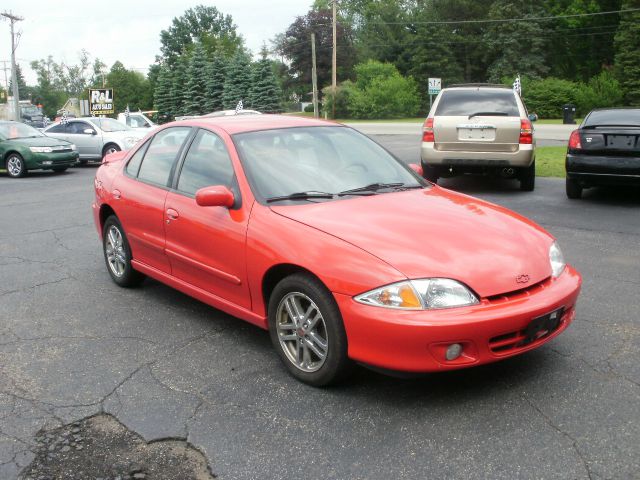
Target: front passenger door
{"type": "Point", "coordinates": [89, 145]}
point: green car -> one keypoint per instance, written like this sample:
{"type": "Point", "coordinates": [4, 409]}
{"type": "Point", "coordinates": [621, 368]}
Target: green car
{"type": "Point", "coordinates": [24, 148]}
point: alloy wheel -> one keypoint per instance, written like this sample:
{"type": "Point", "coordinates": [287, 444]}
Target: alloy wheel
{"type": "Point", "coordinates": [15, 166]}
{"type": "Point", "coordinates": [114, 248]}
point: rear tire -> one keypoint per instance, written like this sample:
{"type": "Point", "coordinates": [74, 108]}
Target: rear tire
{"type": "Point", "coordinates": [117, 254]}
{"type": "Point", "coordinates": [430, 173]}
{"type": "Point", "coordinates": [306, 330]}
{"type": "Point", "coordinates": [109, 149]}
{"type": "Point", "coordinates": [528, 178]}
{"type": "Point", "coordinates": [574, 189]}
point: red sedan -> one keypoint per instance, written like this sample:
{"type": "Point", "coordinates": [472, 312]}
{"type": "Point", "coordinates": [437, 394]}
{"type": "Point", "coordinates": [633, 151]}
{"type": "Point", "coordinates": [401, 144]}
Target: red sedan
{"type": "Point", "coordinates": [313, 231]}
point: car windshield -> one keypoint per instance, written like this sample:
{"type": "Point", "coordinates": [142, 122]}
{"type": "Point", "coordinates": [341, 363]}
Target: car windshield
{"type": "Point", "coordinates": [322, 161]}
{"type": "Point", "coordinates": [478, 101]}
{"type": "Point", "coordinates": [18, 130]}
{"type": "Point", "coordinates": [109, 125]}
{"type": "Point", "coordinates": [622, 117]}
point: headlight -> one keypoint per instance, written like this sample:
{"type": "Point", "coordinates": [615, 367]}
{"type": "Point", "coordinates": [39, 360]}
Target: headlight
{"type": "Point", "coordinates": [130, 141]}
{"type": "Point", "coordinates": [41, 149]}
{"type": "Point", "coordinates": [425, 294]}
{"type": "Point", "coordinates": [556, 259]}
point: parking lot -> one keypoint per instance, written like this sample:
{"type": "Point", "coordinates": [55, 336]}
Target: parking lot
{"type": "Point", "coordinates": [74, 345]}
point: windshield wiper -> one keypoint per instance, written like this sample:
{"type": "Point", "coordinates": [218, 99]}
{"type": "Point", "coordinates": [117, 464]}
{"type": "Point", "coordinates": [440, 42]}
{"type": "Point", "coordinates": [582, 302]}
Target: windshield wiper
{"type": "Point", "coordinates": [489, 114]}
{"type": "Point", "coordinates": [374, 187]}
{"type": "Point", "coordinates": [300, 196]}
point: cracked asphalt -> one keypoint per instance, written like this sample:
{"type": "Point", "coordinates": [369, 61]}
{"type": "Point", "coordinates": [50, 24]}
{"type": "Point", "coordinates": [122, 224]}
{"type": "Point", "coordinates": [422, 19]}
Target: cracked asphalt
{"type": "Point", "coordinates": [73, 346]}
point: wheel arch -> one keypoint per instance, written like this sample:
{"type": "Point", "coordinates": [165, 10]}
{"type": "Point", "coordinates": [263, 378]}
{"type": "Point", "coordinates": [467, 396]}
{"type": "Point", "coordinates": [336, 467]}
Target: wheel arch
{"type": "Point", "coordinates": [110, 143]}
{"type": "Point", "coordinates": [8, 153]}
{"type": "Point", "coordinates": [105, 212]}
{"type": "Point", "coordinates": [278, 272]}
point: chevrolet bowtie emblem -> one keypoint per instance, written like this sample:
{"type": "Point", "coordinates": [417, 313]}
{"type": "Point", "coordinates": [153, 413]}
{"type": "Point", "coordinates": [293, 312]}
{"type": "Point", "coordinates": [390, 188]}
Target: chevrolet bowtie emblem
{"type": "Point", "coordinates": [522, 278]}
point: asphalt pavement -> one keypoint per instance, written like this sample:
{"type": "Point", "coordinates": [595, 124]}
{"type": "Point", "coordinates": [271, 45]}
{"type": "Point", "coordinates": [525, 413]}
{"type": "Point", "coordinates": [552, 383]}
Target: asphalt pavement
{"type": "Point", "coordinates": [77, 350]}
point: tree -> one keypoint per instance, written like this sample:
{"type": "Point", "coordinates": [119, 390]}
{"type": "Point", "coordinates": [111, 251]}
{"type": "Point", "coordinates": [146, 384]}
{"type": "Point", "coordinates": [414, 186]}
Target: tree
{"type": "Point", "coordinates": [265, 93]}
{"type": "Point", "coordinates": [238, 82]}
{"type": "Point", "coordinates": [196, 83]}
{"type": "Point", "coordinates": [295, 45]}
{"type": "Point", "coordinates": [178, 91]}
{"type": "Point", "coordinates": [627, 59]}
{"type": "Point", "coordinates": [217, 72]}
{"type": "Point", "coordinates": [163, 100]}
{"type": "Point", "coordinates": [129, 88]}
{"type": "Point", "coordinates": [203, 24]}
{"type": "Point", "coordinates": [23, 90]}
{"type": "Point", "coordinates": [505, 40]}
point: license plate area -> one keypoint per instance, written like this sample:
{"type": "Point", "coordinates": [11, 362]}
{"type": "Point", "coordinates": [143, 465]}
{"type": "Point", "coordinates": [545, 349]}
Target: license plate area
{"type": "Point", "coordinates": [542, 326]}
{"type": "Point", "coordinates": [621, 142]}
{"type": "Point", "coordinates": [477, 132]}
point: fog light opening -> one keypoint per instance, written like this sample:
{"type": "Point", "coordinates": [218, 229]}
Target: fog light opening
{"type": "Point", "coordinates": [453, 351]}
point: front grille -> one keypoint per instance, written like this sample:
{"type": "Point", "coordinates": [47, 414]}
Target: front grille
{"type": "Point", "coordinates": [521, 293]}
{"type": "Point", "coordinates": [61, 149]}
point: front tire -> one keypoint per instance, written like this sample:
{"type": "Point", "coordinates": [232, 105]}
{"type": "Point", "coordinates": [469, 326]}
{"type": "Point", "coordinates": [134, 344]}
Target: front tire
{"type": "Point", "coordinates": [573, 188]}
{"type": "Point", "coordinates": [528, 178]}
{"type": "Point", "coordinates": [117, 254]}
{"type": "Point", "coordinates": [306, 330]}
{"type": "Point", "coordinates": [16, 167]}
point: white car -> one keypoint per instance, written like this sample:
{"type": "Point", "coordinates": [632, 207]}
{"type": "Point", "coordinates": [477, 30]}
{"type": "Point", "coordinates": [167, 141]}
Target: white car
{"type": "Point", "coordinates": [95, 137]}
{"type": "Point", "coordinates": [137, 121]}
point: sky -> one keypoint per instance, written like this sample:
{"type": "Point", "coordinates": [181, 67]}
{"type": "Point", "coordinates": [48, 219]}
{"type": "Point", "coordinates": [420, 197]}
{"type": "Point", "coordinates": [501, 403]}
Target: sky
{"type": "Point", "coordinates": [128, 31]}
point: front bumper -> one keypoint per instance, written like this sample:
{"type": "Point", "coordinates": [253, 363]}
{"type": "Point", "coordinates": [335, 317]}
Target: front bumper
{"type": "Point", "coordinates": [46, 161]}
{"type": "Point", "coordinates": [416, 341]}
{"type": "Point", "coordinates": [598, 170]}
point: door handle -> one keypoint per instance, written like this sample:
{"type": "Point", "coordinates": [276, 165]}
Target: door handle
{"type": "Point", "coordinates": [116, 194]}
{"type": "Point", "coordinates": [172, 214]}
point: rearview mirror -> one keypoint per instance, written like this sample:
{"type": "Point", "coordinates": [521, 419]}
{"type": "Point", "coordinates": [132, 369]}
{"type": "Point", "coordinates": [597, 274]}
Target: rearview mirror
{"type": "Point", "coordinates": [417, 168]}
{"type": "Point", "coordinates": [216, 196]}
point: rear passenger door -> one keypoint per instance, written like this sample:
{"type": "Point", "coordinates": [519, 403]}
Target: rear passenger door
{"type": "Point", "coordinates": [206, 245]}
{"type": "Point", "coordinates": [139, 195]}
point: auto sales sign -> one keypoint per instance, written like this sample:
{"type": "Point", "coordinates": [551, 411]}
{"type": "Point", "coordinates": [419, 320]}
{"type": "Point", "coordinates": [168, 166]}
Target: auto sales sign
{"type": "Point", "coordinates": [101, 101]}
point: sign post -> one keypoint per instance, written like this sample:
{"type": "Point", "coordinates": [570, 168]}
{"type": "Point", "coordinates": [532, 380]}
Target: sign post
{"type": "Point", "coordinates": [101, 101]}
{"type": "Point", "coordinates": [435, 85]}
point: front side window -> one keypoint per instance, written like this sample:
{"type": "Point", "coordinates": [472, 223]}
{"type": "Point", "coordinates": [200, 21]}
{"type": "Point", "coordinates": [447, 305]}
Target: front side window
{"type": "Point", "coordinates": [79, 128]}
{"type": "Point", "coordinates": [207, 163]}
{"type": "Point", "coordinates": [161, 154]}
{"type": "Point", "coordinates": [60, 128]}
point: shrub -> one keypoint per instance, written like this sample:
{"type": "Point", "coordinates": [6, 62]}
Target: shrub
{"type": "Point", "coordinates": [546, 97]}
{"type": "Point", "coordinates": [386, 97]}
{"type": "Point", "coordinates": [344, 92]}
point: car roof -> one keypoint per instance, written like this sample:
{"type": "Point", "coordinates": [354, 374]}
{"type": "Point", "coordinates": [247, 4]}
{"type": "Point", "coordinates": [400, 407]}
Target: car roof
{"type": "Point", "coordinates": [251, 123]}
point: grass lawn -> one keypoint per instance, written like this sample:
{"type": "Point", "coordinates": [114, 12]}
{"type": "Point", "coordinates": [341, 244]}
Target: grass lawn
{"type": "Point", "coordinates": [550, 161]}
{"type": "Point", "coordinates": [555, 121]}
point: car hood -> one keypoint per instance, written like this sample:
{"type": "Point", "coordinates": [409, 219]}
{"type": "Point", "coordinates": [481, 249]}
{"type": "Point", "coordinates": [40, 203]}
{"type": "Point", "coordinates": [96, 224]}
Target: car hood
{"type": "Point", "coordinates": [39, 142]}
{"type": "Point", "coordinates": [437, 233]}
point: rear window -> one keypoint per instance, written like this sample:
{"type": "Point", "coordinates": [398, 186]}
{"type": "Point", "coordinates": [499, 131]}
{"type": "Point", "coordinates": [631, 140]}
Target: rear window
{"type": "Point", "coordinates": [469, 102]}
{"type": "Point", "coordinates": [615, 117]}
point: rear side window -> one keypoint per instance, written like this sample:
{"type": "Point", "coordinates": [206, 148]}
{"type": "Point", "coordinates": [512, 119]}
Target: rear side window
{"type": "Point", "coordinates": [162, 152]}
{"type": "Point", "coordinates": [134, 164]}
{"type": "Point", "coordinates": [615, 117]}
{"type": "Point", "coordinates": [477, 101]}
{"type": "Point", "coordinates": [60, 128]}
{"type": "Point", "coordinates": [206, 164]}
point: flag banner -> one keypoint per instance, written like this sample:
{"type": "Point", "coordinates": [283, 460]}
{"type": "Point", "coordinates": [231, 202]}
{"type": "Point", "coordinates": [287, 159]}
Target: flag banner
{"type": "Point", "coordinates": [239, 107]}
{"type": "Point", "coordinates": [65, 118]}
{"type": "Point", "coordinates": [127, 112]}
{"type": "Point", "coordinates": [517, 85]}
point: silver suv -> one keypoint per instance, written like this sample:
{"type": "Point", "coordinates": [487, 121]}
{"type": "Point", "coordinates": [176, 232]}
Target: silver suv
{"type": "Point", "coordinates": [479, 128]}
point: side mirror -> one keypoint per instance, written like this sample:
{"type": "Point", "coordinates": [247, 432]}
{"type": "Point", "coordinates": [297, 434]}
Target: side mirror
{"type": "Point", "coordinates": [417, 168]}
{"type": "Point", "coordinates": [90, 131]}
{"type": "Point", "coordinates": [216, 196]}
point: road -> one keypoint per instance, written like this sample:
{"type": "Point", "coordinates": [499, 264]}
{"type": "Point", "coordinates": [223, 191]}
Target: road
{"type": "Point", "coordinates": [73, 345]}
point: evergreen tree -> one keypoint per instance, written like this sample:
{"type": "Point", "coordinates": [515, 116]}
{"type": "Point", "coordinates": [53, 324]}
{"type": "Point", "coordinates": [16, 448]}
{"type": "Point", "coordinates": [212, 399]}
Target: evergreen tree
{"type": "Point", "coordinates": [178, 91]}
{"type": "Point", "coordinates": [238, 82]}
{"type": "Point", "coordinates": [23, 92]}
{"type": "Point", "coordinates": [217, 72]}
{"type": "Point", "coordinates": [505, 41]}
{"type": "Point", "coordinates": [627, 59]}
{"type": "Point", "coordinates": [196, 84]}
{"type": "Point", "coordinates": [163, 100]}
{"type": "Point", "coordinates": [265, 93]}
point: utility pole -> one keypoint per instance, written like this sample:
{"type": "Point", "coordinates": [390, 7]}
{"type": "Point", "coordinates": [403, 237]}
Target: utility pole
{"type": "Point", "coordinates": [334, 62]}
{"type": "Point", "coordinates": [14, 79]}
{"type": "Point", "coordinates": [314, 76]}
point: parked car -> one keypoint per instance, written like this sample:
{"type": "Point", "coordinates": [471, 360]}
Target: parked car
{"type": "Point", "coordinates": [136, 120]}
{"type": "Point", "coordinates": [95, 137]}
{"type": "Point", "coordinates": [220, 113]}
{"type": "Point", "coordinates": [23, 148]}
{"type": "Point", "coordinates": [345, 254]}
{"type": "Point", "coordinates": [478, 128]}
{"type": "Point", "coordinates": [604, 150]}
